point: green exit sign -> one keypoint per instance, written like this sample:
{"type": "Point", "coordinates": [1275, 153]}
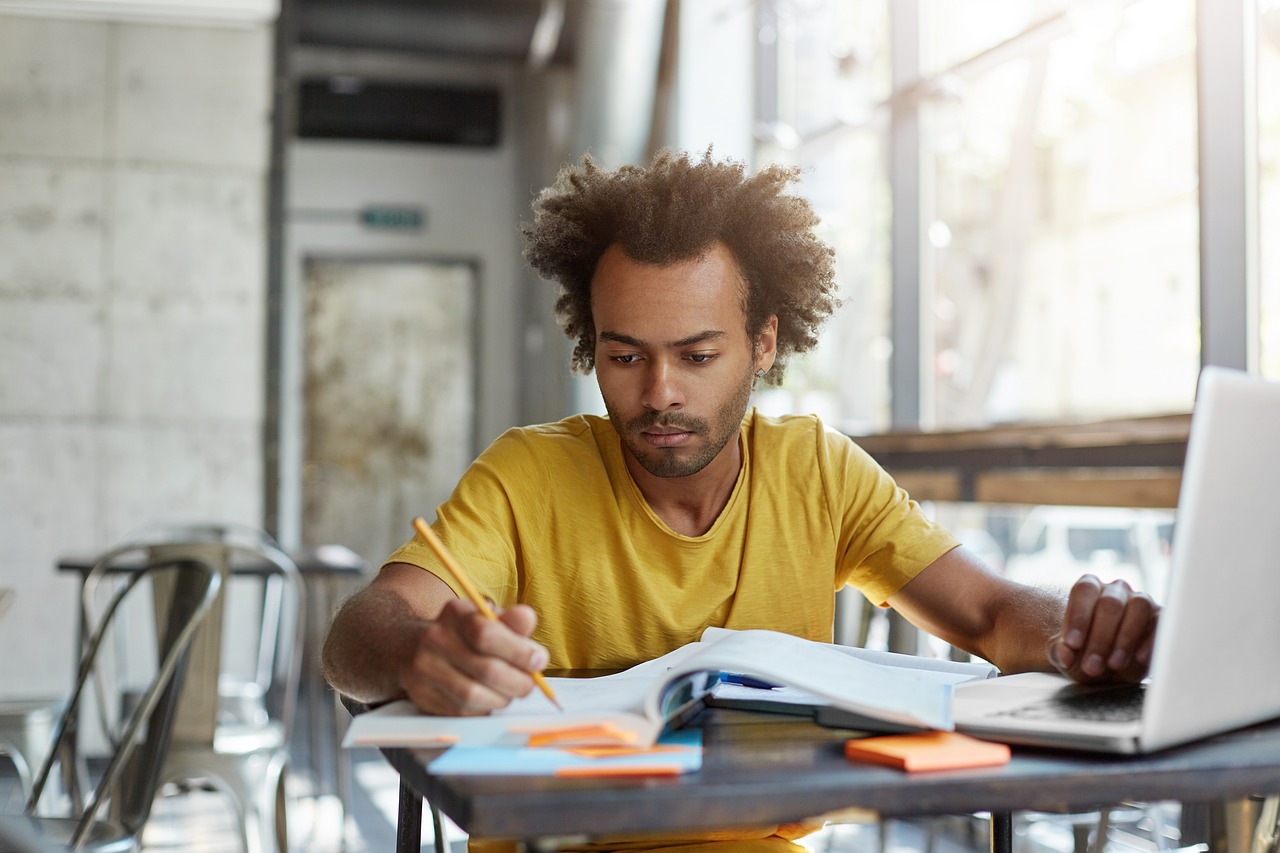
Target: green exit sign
{"type": "Point", "coordinates": [393, 218]}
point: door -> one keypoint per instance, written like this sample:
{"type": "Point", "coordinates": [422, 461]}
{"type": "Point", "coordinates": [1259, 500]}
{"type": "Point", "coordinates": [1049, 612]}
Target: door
{"type": "Point", "coordinates": [388, 396]}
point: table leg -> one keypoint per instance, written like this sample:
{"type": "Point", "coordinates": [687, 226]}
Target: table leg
{"type": "Point", "coordinates": [409, 821]}
{"type": "Point", "coordinates": [1267, 832]}
{"type": "Point", "coordinates": [1225, 826]}
{"type": "Point", "coordinates": [1001, 832]}
{"type": "Point", "coordinates": [1241, 818]}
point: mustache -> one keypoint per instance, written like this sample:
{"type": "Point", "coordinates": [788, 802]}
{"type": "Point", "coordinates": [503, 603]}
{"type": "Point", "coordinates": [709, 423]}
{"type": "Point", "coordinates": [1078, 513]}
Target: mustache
{"type": "Point", "coordinates": [674, 420]}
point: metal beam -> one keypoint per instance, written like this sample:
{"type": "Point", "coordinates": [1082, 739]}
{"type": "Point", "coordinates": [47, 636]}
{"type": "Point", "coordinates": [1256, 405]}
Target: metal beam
{"type": "Point", "coordinates": [907, 327]}
{"type": "Point", "coordinates": [1228, 132]}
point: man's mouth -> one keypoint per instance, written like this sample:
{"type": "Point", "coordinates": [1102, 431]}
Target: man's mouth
{"type": "Point", "coordinates": [665, 436]}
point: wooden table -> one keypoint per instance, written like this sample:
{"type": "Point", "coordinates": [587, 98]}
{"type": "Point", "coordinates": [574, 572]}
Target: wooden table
{"type": "Point", "coordinates": [763, 769]}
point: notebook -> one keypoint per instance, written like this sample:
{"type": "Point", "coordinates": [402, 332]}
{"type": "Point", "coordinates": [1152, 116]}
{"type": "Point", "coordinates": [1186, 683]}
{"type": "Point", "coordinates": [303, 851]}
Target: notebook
{"type": "Point", "coordinates": [1219, 635]}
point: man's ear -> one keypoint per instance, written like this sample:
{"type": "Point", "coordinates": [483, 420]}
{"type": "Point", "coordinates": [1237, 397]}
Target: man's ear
{"type": "Point", "coordinates": [765, 348]}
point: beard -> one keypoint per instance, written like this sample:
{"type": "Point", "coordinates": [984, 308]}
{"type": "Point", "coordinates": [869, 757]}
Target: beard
{"type": "Point", "coordinates": [715, 433]}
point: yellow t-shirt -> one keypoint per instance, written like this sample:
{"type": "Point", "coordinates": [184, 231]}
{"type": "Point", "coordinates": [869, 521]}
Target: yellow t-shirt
{"type": "Point", "coordinates": [549, 516]}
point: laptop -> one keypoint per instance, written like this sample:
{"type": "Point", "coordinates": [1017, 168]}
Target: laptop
{"type": "Point", "coordinates": [1212, 667]}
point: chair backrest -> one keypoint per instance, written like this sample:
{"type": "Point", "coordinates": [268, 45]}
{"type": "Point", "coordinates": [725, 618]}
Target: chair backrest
{"type": "Point", "coordinates": [131, 777]}
{"type": "Point", "coordinates": [269, 681]}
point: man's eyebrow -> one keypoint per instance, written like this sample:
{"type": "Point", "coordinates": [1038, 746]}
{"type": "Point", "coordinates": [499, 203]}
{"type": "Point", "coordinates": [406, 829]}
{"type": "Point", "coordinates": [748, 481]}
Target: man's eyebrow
{"type": "Point", "coordinates": [700, 337]}
{"type": "Point", "coordinates": [619, 338]}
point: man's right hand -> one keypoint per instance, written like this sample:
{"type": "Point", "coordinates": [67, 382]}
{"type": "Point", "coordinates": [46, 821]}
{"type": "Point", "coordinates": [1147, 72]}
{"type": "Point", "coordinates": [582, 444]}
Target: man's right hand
{"type": "Point", "coordinates": [408, 635]}
{"type": "Point", "coordinates": [465, 664]}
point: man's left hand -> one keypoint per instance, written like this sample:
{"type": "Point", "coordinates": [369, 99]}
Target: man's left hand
{"type": "Point", "coordinates": [1108, 632]}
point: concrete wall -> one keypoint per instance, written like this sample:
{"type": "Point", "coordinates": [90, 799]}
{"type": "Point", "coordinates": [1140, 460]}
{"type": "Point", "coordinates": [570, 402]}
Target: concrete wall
{"type": "Point", "coordinates": [132, 277]}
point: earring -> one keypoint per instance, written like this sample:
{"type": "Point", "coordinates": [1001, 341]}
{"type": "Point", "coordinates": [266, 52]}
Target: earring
{"type": "Point", "coordinates": [761, 372]}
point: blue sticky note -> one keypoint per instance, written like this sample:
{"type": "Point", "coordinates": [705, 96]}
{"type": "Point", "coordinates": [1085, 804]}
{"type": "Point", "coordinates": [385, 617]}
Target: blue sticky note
{"type": "Point", "coordinates": [546, 760]}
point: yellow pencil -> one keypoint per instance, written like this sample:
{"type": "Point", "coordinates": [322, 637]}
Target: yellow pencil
{"type": "Point", "coordinates": [472, 593]}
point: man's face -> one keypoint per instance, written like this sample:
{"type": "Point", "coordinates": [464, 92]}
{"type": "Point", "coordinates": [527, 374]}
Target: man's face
{"type": "Point", "coordinates": [673, 358]}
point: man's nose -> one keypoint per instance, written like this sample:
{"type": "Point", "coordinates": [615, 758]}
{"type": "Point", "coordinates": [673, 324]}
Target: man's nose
{"type": "Point", "coordinates": [662, 390]}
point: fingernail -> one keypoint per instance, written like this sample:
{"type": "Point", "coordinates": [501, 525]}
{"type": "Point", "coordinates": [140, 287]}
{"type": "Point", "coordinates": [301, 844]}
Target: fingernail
{"type": "Point", "coordinates": [1074, 638]}
{"type": "Point", "coordinates": [538, 660]}
{"type": "Point", "coordinates": [1118, 659]}
{"type": "Point", "coordinates": [1093, 665]}
{"type": "Point", "coordinates": [1061, 656]}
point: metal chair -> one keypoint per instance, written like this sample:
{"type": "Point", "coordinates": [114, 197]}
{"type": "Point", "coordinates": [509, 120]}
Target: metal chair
{"type": "Point", "coordinates": [26, 725]}
{"type": "Point", "coordinates": [233, 727]}
{"type": "Point", "coordinates": [26, 731]}
{"type": "Point", "coordinates": [113, 818]}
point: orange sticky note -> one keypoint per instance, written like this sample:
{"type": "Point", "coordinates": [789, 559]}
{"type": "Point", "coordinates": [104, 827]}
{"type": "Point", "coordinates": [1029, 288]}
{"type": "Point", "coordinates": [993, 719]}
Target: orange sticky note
{"type": "Point", "coordinates": [927, 751]}
{"type": "Point", "coordinates": [594, 733]}
{"type": "Point", "coordinates": [620, 770]}
{"type": "Point", "coordinates": [619, 751]}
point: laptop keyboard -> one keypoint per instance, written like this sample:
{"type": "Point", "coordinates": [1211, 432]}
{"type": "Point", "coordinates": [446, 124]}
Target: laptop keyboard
{"type": "Point", "coordinates": [1114, 704]}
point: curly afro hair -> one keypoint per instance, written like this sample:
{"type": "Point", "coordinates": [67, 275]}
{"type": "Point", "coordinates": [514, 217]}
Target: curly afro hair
{"type": "Point", "coordinates": [672, 211]}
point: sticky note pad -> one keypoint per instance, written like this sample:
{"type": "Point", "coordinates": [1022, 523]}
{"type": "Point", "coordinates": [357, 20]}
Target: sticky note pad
{"type": "Point", "coordinates": [927, 751]}
{"type": "Point", "coordinates": [594, 733]}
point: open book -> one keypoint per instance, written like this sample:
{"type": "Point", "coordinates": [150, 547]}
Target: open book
{"type": "Point", "coordinates": [638, 703]}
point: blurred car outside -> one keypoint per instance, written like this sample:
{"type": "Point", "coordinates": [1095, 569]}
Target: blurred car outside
{"type": "Point", "coordinates": [1055, 545]}
{"type": "Point", "coordinates": [983, 545]}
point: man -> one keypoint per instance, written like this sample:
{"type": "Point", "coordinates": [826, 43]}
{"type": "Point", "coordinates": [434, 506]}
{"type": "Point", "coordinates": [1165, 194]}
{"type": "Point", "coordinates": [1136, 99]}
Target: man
{"type": "Point", "coordinates": [612, 541]}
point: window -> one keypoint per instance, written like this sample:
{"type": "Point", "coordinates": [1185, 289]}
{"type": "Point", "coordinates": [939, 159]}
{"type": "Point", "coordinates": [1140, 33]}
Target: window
{"type": "Point", "coordinates": [1057, 208]}
{"type": "Point", "coordinates": [1060, 211]}
{"type": "Point", "coordinates": [823, 111]}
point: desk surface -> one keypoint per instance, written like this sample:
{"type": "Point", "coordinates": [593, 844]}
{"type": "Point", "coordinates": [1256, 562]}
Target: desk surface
{"type": "Point", "coordinates": [761, 769]}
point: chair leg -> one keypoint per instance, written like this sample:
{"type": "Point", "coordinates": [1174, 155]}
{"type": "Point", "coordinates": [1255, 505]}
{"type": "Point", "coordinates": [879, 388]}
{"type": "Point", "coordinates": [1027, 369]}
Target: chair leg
{"type": "Point", "coordinates": [254, 783]}
{"type": "Point", "coordinates": [282, 812]}
{"type": "Point", "coordinates": [260, 792]}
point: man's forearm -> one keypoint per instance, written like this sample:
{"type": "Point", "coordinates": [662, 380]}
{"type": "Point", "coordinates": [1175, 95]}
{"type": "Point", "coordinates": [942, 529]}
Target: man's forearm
{"type": "Point", "coordinates": [958, 599]}
{"type": "Point", "coordinates": [370, 641]}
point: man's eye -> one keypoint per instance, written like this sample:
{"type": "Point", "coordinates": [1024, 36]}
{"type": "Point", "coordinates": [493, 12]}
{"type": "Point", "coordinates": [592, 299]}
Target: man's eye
{"type": "Point", "coordinates": [701, 357]}
{"type": "Point", "coordinates": [629, 358]}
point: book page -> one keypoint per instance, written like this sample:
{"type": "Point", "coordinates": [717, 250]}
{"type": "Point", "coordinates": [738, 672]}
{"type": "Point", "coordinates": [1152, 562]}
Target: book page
{"type": "Point", "coordinates": [401, 724]}
{"type": "Point", "coordinates": [621, 691]}
{"type": "Point", "coordinates": [898, 694]}
{"type": "Point", "coordinates": [962, 670]}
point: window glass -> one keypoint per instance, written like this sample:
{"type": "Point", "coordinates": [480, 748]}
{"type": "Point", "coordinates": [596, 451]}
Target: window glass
{"type": "Point", "coordinates": [1269, 183]}
{"type": "Point", "coordinates": [1055, 545]}
{"type": "Point", "coordinates": [958, 31]}
{"type": "Point", "coordinates": [830, 62]}
{"type": "Point", "coordinates": [827, 116]}
{"type": "Point", "coordinates": [1060, 219]}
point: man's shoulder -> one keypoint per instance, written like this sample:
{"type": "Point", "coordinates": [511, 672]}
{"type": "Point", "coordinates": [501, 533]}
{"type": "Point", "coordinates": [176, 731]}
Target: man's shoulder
{"type": "Point", "coordinates": [527, 465]}
{"type": "Point", "coordinates": [573, 435]}
{"type": "Point", "coordinates": [572, 427]}
{"type": "Point", "coordinates": [788, 428]}
{"type": "Point", "coordinates": [798, 441]}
